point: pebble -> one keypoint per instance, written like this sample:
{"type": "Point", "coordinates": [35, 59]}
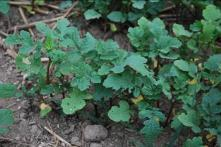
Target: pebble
{"type": "Point", "coordinates": [95, 133]}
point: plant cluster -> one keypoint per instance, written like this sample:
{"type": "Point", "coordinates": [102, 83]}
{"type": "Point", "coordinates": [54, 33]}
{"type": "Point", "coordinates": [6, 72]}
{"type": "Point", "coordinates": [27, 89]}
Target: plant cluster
{"type": "Point", "coordinates": [120, 11]}
{"type": "Point", "coordinates": [180, 68]}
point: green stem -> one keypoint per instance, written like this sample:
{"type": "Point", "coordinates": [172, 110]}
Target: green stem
{"type": "Point", "coordinates": [48, 72]}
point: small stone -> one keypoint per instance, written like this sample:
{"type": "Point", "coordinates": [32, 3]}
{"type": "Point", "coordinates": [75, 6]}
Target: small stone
{"type": "Point", "coordinates": [96, 145]}
{"type": "Point", "coordinates": [75, 141]}
{"type": "Point", "coordinates": [95, 133]}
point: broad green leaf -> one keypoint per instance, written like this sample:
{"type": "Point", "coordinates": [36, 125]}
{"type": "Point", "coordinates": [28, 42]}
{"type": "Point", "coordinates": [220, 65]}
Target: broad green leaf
{"type": "Point", "coordinates": [89, 43]}
{"type": "Point", "coordinates": [91, 14]}
{"type": "Point", "coordinates": [102, 92]}
{"type": "Point", "coordinates": [116, 82]}
{"type": "Point", "coordinates": [104, 70]}
{"type": "Point", "coordinates": [211, 102]}
{"type": "Point", "coordinates": [62, 25]}
{"type": "Point", "coordinates": [4, 6]}
{"type": "Point", "coordinates": [152, 114]}
{"type": "Point", "coordinates": [194, 142]}
{"type": "Point", "coordinates": [182, 65]}
{"type": "Point", "coordinates": [213, 63]}
{"type": "Point", "coordinates": [71, 105]}
{"type": "Point", "coordinates": [137, 62]}
{"type": "Point", "coordinates": [211, 13]}
{"type": "Point", "coordinates": [6, 119]}
{"type": "Point", "coordinates": [65, 4]}
{"type": "Point", "coordinates": [190, 119]}
{"type": "Point", "coordinates": [44, 29]}
{"type": "Point", "coordinates": [179, 30]}
{"type": "Point", "coordinates": [75, 101]}
{"type": "Point", "coordinates": [139, 4]}
{"type": "Point", "coordinates": [7, 90]}
{"type": "Point", "coordinates": [151, 130]}
{"type": "Point", "coordinates": [13, 39]}
{"type": "Point", "coordinates": [121, 113]}
{"type": "Point", "coordinates": [117, 16]}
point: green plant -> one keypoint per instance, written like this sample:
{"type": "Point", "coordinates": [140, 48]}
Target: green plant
{"type": "Point", "coordinates": [163, 67]}
{"type": "Point", "coordinates": [121, 11]}
{"type": "Point", "coordinates": [6, 115]}
{"type": "Point", "coordinates": [4, 6]}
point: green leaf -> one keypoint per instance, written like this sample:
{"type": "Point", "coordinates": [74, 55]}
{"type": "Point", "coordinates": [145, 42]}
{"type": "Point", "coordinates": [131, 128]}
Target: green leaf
{"type": "Point", "coordinates": [65, 4]}
{"type": "Point", "coordinates": [137, 62]}
{"type": "Point", "coordinates": [190, 119]}
{"type": "Point", "coordinates": [104, 70]}
{"type": "Point", "coordinates": [213, 63]}
{"type": "Point", "coordinates": [194, 142]}
{"type": "Point", "coordinates": [6, 119]}
{"type": "Point", "coordinates": [45, 109]}
{"type": "Point", "coordinates": [151, 130]}
{"type": "Point", "coordinates": [211, 13]}
{"type": "Point", "coordinates": [7, 90]}
{"type": "Point", "coordinates": [44, 29]}
{"type": "Point", "coordinates": [182, 65]}
{"type": "Point", "coordinates": [89, 43]}
{"type": "Point", "coordinates": [179, 30]}
{"type": "Point", "coordinates": [116, 82]}
{"type": "Point", "coordinates": [211, 102]}
{"type": "Point", "coordinates": [4, 6]}
{"type": "Point", "coordinates": [121, 113]}
{"type": "Point", "coordinates": [71, 105]}
{"type": "Point", "coordinates": [139, 4]}
{"type": "Point", "coordinates": [12, 39]}
{"type": "Point", "coordinates": [117, 16]}
{"type": "Point", "coordinates": [91, 14]}
{"type": "Point", "coordinates": [75, 101]}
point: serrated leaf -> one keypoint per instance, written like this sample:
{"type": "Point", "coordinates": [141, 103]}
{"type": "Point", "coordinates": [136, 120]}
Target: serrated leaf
{"type": "Point", "coordinates": [179, 30]}
{"type": "Point", "coordinates": [88, 43]}
{"type": "Point", "coordinates": [91, 14]}
{"type": "Point", "coordinates": [182, 65]}
{"type": "Point", "coordinates": [117, 82]}
{"type": "Point", "coordinates": [6, 119]}
{"type": "Point", "coordinates": [194, 142]}
{"type": "Point", "coordinates": [117, 16]}
{"type": "Point", "coordinates": [137, 62]}
{"type": "Point", "coordinates": [121, 113]}
{"type": "Point", "coordinates": [12, 39]}
{"type": "Point", "coordinates": [7, 91]}
{"type": "Point", "coordinates": [211, 13]}
{"type": "Point", "coordinates": [190, 119]}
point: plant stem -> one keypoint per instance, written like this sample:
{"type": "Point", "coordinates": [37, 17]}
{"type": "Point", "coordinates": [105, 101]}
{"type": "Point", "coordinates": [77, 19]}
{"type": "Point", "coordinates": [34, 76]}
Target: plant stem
{"type": "Point", "coordinates": [169, 113]}
{"type": "Point", "coordinates": [48, 72]}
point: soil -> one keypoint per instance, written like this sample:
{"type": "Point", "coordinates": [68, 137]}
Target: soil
{"type": "Point", "coordinates": [29, 128]}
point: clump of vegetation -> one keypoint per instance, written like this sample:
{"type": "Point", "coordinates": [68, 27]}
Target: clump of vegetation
{"type": "Point", "coordinates": [180, 68]}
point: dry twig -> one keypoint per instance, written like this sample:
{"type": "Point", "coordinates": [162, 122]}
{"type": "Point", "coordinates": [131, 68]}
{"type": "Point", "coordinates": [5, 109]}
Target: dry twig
{"type": "Point", "coordinates": [23, 3]}
{"type": "Point", "coordinates": [32, 24]}
{"type": "Point", "coordinates": [58, 137]}
{"type": "Point", "coordinates": [25, 20]}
